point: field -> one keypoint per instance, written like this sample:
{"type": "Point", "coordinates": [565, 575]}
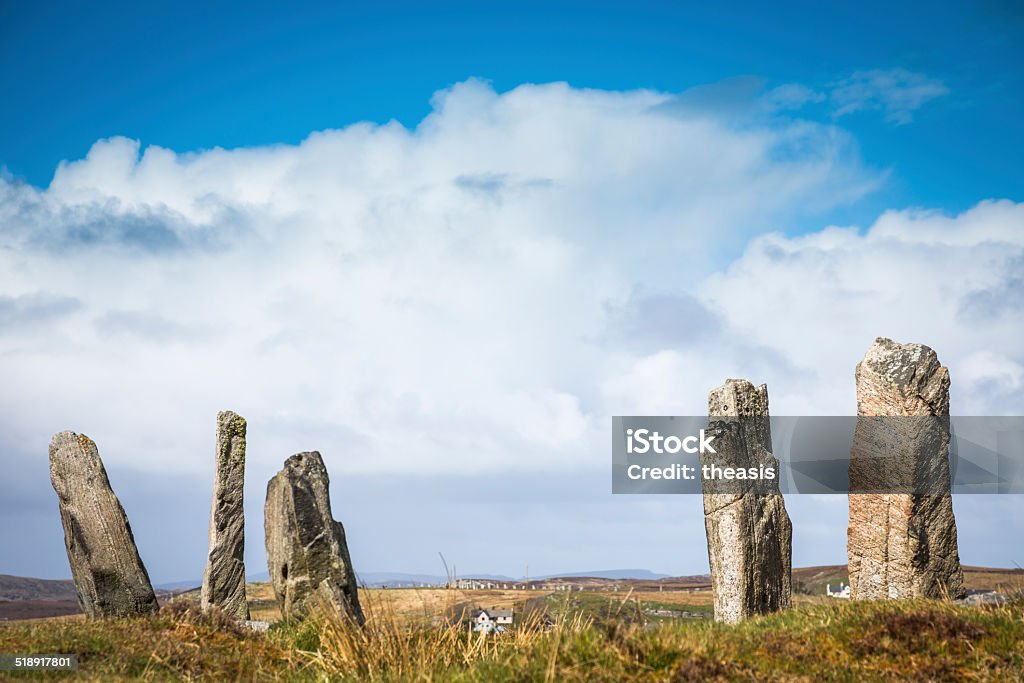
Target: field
{"type": "Point", "coordinates": [427, 606]}
{"type": "Point", "coordinates": [649, 631]}
{"type": "Point", "coordinates": [22, 598]}
{"type": "Point", "coordinates": [680, 594]}
{"type": "Point", "coordinates": [605, 641]}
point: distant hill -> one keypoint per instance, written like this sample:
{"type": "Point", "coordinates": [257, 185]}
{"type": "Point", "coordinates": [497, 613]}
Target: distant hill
{"type": "Point", "coordinates": [178, 586]}
{"type": "Point", "coordinates": [813, 580]}
{"type": "Point", "coordinates": [809, 580]}
{"type": "Point", "coordinates": [25, 588]}
{"type": "Point", "coordinates": [638, 574]}
{"type": "Point", "coordinates": [399, 579]}
{"type": "Point", "coordinates": [18, 588]}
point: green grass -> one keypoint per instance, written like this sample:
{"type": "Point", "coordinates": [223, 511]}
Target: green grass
{"type": "Point", "coordinates": [176, 644]}
{"type": "Point", "coordinates": [922, 641]}
{"type": "Point", "coordinates": [917, 640]}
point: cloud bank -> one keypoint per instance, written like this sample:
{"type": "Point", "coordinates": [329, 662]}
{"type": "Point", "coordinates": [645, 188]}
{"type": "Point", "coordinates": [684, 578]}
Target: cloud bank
{"type": "Point", "coordinates": [439, 299]}
{"type": "Point", "coordinates": [476, 296]}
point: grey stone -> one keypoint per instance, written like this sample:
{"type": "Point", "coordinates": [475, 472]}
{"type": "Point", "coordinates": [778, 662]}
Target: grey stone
{"type": "Point", "coordinates": [224, 578]}
{"type": "Point", "coordinates": [748, 530]}
{"type": "Point", "coordinates": [976, 598]}
{"type": "Point", "coordinates": [307, 555]}
{"type": "Point", "coordinates": [902, 545]}
{"type": "Point", "coordinates": [109, 575]}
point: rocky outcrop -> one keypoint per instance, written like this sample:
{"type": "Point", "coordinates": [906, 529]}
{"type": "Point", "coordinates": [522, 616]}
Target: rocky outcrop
{"type": "Point", "coordinates": [306, 550]}
{"type": "Point", "coordinates": [224, 579]}
{"type": "Point", "coordinates": [109, 575]}
{"type": "Point", "coordinates": [900, 544]}
{"type": "Point", "coordinates": [748, 530]}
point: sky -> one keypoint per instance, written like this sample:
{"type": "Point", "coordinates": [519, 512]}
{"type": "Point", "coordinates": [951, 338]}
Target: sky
{"type": "Point", "coordinates": [444, 244]}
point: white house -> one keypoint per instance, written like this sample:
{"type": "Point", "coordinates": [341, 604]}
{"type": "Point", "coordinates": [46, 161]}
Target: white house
{"type": "Point", "coordinates": [492, 620]}
{"type": "Point", "coordinates": [842, 591]}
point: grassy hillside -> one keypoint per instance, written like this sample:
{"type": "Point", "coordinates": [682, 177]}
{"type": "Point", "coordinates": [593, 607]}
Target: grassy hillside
{"type": "Point", "coordinates": [812, 580]}
{"type": "Point", "coordinates": [987, 578]}
{"type": "Point", "coordinates": [26, 588]}
{"type": "Point", "coordinates": [836, 641]}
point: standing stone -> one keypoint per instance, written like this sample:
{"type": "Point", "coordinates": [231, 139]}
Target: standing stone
{"type": "Point", "coordinates": [306, 550]}
{"type": "Point", "coordinates": [105, 564]}
{"type": "Point", "coordinates": [899, 544]}
{"type": "Point", "coordinates": [224, 579]}
{"type": "Point", "coordinates": [749, 533]}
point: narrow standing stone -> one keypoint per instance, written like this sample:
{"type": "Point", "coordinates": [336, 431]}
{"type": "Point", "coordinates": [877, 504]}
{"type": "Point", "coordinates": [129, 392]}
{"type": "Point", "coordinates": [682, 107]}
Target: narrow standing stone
{"type": "Point", "coordinates": [749, 533]}
{"type": "Point", "coordinates": [105, 564]}
{"type": "Point", "coordinates": [224, 579]}
{"type": "Point", "coordinates": [307, 555]}
{"type": "Point", "coordinates": [902, 545]}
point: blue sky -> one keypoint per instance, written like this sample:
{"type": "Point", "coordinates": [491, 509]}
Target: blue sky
{"type": "Point", "coordinates": [444, 244]}
{"type": "Point", "coordinates": [198, 75]}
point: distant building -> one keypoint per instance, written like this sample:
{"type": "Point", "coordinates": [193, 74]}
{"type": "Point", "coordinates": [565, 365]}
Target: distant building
{"type": "Point", "coordinates": [492, 620]}
{"type": "Point", "coordinates": [842, 591]}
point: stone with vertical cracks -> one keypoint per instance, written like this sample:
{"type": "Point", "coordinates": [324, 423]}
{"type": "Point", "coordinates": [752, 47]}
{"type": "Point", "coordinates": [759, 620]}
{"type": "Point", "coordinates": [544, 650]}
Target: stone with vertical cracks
{"type": "Point", "coordinates": [306, 550]}
{"type": "Point", "coordinates": [109, 575]}
{"type": "Point", "coordinates": [748, 530]}
{"type": "Point", "coordinates": [902, 545]}
{"type": "Point", "coordinates": [224, 579]}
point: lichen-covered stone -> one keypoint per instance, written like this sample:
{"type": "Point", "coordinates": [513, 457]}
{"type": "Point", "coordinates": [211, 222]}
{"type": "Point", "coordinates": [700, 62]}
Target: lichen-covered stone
{"type": "Point", "coordinates": [902, 545]}
{"type": "Point", "coordinates": [307, 554]}
{"type": "Point", "coordinates": [224, 578]}
{"type": "Point", "coordinates": [109, 575]}
{"type": "Point", "coordinates": [748, 530]}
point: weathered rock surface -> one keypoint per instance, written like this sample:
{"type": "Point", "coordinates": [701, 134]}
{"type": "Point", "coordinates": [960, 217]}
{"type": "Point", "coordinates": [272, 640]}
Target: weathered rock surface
{"type": "Point", "coordinates": [105, 564]}
{"type": "Point", "coordinates": [748, 530]}
{"type": "Point", "coordinates": [306, 550]}
{"type": "Point", "coordinates": [902, 545]}
{"type": "Point", "coordinates": [224, 579]}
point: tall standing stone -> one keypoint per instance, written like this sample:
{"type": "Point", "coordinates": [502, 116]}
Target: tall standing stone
{"type": "Point", "coordinates": [900, 544]}
{"type": "Point", "coordinates": [748, 530]}
{"type": "Point", "coordinates": [224, 579]}
{"type": "Point", "coordinates": [109, 575]}
{"type": "Point", "coordinates": [307, 555]}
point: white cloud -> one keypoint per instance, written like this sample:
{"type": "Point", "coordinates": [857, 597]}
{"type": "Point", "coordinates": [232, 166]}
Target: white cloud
{"type": "Point", "coordinates": [914, 276]}
{"type": "Point", "coordinates": [435, 298]}
{"type": "Point", "coordinates": [476, 295]}
{"type": "Point", "coordinates": [896, 92]}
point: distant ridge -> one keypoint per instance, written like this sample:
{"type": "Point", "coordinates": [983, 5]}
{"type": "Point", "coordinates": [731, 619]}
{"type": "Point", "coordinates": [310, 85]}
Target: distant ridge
{"type": "Point", "coordinates": [399, 579]}
{"type": "Point", "coordinates": [404, 579]}
{"type": "Point", "coordinates": [638, 574]}
{"type": "Point", "coordinates": [23, 588]}
{"type": "Point", "coordinates": [27, 588]}
{"type": "Point", "coordinates": [16, 588]}
{"type": "Point", "coordinates": [176, 586]}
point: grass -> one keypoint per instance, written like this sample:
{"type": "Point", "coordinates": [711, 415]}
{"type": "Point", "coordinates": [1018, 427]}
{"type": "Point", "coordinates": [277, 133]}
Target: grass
{"type": "Point", "coordinates": [178, 643]}
{"type": "Point", "coordinates": [833, 641]}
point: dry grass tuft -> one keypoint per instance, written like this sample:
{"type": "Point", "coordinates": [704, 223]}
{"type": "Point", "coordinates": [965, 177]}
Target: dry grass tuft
{"type": "Point", "coordinates": [392, 647]}
{"type": "Point", "coordinates": [185, 611]}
